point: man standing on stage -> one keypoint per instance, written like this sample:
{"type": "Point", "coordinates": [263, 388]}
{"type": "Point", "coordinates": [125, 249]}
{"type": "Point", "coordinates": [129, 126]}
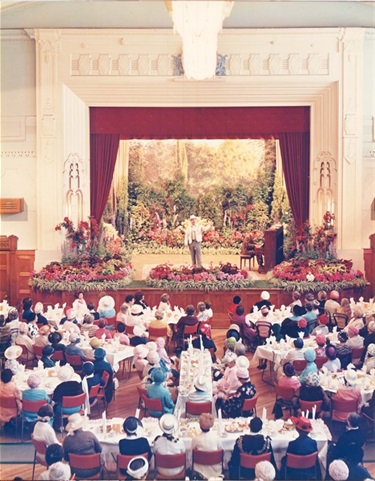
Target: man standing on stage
{"type": "Point", "coordinates": [193, 239]}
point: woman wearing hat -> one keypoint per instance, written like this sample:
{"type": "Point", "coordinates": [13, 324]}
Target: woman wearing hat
{"type": "Point", "coordinates": [11, 355]}
{"type": "Point", "coordinates": [345, 308]}
{"type": "Point", "coordinates": [333, 362]}
{"type": "Point", "coordinates": [343, 350]}
{"type": "Point", "coordinates": [72, 349]}
{"type": "Point", "coordinates": [9, 389]}
{"type": "Point", "coordinates": [14, 323]}
{"type": "Point", "coordinates": [310, 357]}
{"type": "Point", "coordinates": [42, 337]}
{"type": "Point", "coordinates": [24, 340]}
{"type": "Point", "coordinates": [47, 354]}
{"type": "Point", "coordinates": [41, 319]}
{"type": "Point", "coordinates": [102, 330]}
{"type": "Point", "coordinates": [201, 392]}
{"type": "Point", "coordinates": [27, 312]}
{"type": "Point", "coordinates": [88, 325]}
{"type": "Point", "coordinates": [289, 326]}
{"type": "Point", "coordinates": [207, 342]}
{"type": "Point", "coordinates": [55, 339]}
{"type": "Point", "coordinates": [370, 358]}
{"type": "Point", "coordinates": [356, 320]}
{"type": "Point", "coordinates": [294, 354]}
{"type": "Point", "coordinates": [140, 336]}
{"type": "Point", "coordinates": [57, 470]}
{"type": "Point", "coordinates": [134, 443]}
{"type": "Point", "coordinates": [350, 392]}
{"type": "Point", "coordinates": [311, 390]}
{"type": "Point", "coordinates": [157, 390]}
{"type": "Point", "coordinates": [90, 378]}
{"type": "Point", "coordinates": [322, 327]}
{"type": "Point", "coordinates": [80, 442]}
{"type": "Point", "coordinates": [43, 430]}
{"type": "Point", "coordinates": [254, 444]}
{"type": "Point", "coordinates": [232, 406]}
{"type": "Point", "coordinates": [167, 443]}
{"type": "Point", "coordinates": [332, 305]}
{"type": "Point", "coordinates": [207, 440]}
{"type": "Point", "coordinates": [229, 383]}
{"type": "Point", "coordinates": [102, 365]}
{"type": "Point", "coordinates": [159, 322]}
{"type": "Point", "coordinates": [70, 386]}
{"type": "Point", "coordinates": [34, 394]}
{"type": "Point", "coordinates": [264, 301]}
{"type": "Point", "coordinates": [106, 307]}
{"type": "Point", "coordinates": [355, 341]}
{"type": "Point", "coordinates": [138, 468]}
{"type": "Point", "coordinates": [288, 380]}
{"type": "Point", "coordinates": [310, 317]}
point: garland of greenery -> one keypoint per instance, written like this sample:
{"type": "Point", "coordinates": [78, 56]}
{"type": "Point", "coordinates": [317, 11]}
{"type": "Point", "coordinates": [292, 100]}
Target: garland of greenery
{"type": "Point", "coordinates": [72, 286]}
{"type": "Point", "coordinates": [316, 286]}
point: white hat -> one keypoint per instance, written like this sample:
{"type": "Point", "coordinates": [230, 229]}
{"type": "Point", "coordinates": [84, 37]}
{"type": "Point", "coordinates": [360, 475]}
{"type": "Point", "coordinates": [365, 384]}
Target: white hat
{"type": "Point", "coordinates": [350, 376]}
{"type": "Point", "coordinates": [230, 356]}
{"type": "Point", "coordinates": [65, 373]}
{"type": "Point", "coordinates": [265, 471]}
{"type": "Point", "coordinates": [139, 330]}
{"type": "Point", "coordinates": [76, 421]}
{"type": "Point", "coordinates": [136, 309]}
{"type": "Point", "coordinates": [338, 470]}
{"type": "Point", "coordinates": [370, 350]}
{"type": "Point", "coordinates": [106, 302]}
{"type": "Point", "coordinates": [152, 346]}
{"type": "Point", "coordinates": [242, 362]}
{"type": "Point", "coordinates": [243, 373]}
{"type": "Point", "coordinates": [57, 472]}
{"type": "Point", "coordinates": [38, 308]}
{"type": "Point", "coordinates": [70, 314]}
{"type": "Point", "coordinates": [200, 383]}
{"type": "Point", "coordinates": [168, 423]}
{"type": "Point", "coordinates": [153, 357]}
{"type": "Point", "coordinates": [192, 217]}
{"type": "Point", "coordinates": [137, 467]}
{"type": "Point", "coordinates": [13, 352]}
{"type": "Point", "coordinates": [265, 295]}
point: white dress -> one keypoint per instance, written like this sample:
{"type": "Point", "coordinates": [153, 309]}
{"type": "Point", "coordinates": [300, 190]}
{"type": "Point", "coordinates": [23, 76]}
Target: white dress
{"type": "Point", "coordinates": [163, 445]}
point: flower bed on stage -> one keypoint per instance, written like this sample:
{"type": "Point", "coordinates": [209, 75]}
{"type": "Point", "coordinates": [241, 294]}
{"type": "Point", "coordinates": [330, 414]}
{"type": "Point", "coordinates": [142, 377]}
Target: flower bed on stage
{"type": "Point", "coordinates": [304, 275]}
{"type": "Point", "coordinates": [88, 273]}
{"type": "Point", "coordinates": [225, 277]}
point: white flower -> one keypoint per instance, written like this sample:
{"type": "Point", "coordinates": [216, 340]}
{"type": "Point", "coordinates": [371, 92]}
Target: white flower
{"type": "Point", "coordinates": [310, 277]}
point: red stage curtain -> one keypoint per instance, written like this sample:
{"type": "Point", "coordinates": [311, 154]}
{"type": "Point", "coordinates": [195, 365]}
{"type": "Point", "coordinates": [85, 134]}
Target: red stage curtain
{"type": "Point", "coordinates": [295, 152]}
{"type": "Point", "coordinates": [103, 153]}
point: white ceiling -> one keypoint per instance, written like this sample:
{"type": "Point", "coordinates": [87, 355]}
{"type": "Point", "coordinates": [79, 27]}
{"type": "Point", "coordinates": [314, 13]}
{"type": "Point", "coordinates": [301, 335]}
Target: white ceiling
{"type": "Point", "coordinates": [154, 14]}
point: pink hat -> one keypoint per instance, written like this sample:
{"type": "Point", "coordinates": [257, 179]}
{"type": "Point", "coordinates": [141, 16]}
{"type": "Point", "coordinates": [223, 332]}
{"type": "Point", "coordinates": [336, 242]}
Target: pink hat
{"type": "Point", "coordinates": [302, 323]}
{"type": "Point", "coordinates": [320, 339]}
{"type": "Point", "coordinates": [334, 295]}
{"type": "Point", "coordinates": [323, 319]}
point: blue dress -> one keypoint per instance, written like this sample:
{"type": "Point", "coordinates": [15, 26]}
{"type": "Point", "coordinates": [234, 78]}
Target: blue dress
{"type": "Point", "coordinates": [34, 395]}
{"type": "Point", "coordinates": [158, 391]}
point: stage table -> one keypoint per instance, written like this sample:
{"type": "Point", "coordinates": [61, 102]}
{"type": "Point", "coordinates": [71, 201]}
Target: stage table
{"type": "Point", "coordinates": [228, 430]}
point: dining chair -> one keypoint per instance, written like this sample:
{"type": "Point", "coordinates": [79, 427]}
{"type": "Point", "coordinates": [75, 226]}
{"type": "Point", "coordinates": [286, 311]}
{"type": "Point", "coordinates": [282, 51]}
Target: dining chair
{"type": "Point", "coordinates": [40, 449]}
{"type": "Point", "coordinates": [319, 361]}
{"type": "Point", "coordinates": [170, 461]}
{"type": "Point", "coordinates": [207, 458]}
{"type": "Point", "coordinates": [93, 393]}
{"type": "Point", "coordinates": [10, 402]}
{"type": "Point", "coordinates": [141, 392]}
{"type": "Point", "coordinates": [189, 331]}
{"type": "Point", "coordinates": [155, 332]}
{"type": "Point", "coordinates": [129, 330]}
{"type": "Point", "coordinates": [198, 408]}
{"type": "Point", "coordinates": [152, 405]}
{"type": "Point", "coordinates": [249, 405]}
{"type": "Point", "coordinates": [38, 352]}
{"type": "Point", "coordinates": [286, 395]}
{"type": "Point", "coordinates": [59, 356]}
{"type": "Point", "coordinates": [86, 461]}
{"type": "Point", "coordinates": [249, 461]}
{"type": "Point", "coordinates": [294, 461]}
{"type": "Point", "coordinates": [309, 405]}
{"type": "Point", "coordinates": [343, 407]}
{"type": "Point", "coordinates": [71, 402]}
{"type": "Point", "coordinates": [29, 407]}
{"type": "Point", "coordinates": [341, 320]}
{"type": "Point", "coordinates": [75, 361]}
{"type": "Point", "coordinates": [357, 354]}
{"type": "Point", "coordinates": [122, 462]}
{"type": "Point", "coordinates": [299, 365]}
{"type": "Point", "coordinates": [101, 393]}
{"type": "Point", "coordinates": [26, 357]}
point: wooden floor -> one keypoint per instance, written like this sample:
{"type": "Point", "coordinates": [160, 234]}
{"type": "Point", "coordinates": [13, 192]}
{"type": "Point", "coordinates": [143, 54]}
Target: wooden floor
{"type": "Point", "coordinates": [126, 401]}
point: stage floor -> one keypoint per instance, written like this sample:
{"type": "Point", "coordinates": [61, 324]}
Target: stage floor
{"type": "Point", "coordinates": [143, 263]}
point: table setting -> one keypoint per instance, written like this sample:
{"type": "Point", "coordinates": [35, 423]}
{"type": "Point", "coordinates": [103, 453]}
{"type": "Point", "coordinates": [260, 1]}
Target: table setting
{"type": "Point", "coordinates": [48, 377]}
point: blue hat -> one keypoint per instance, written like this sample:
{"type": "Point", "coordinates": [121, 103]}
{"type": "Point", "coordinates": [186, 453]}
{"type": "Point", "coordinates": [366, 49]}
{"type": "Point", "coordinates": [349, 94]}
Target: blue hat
{"type": "Point", "coordinates": [131, 424]}
{"type": "Point", "coordinates": [100, 353]}
{"type": "Point", "coordinates": [88, 368]}
{"type": "Point", "coordinates": [158, 375]}
{"type": "Point", "coordinates": [298, 343]}
{"type": "Point", "coordinates": [310, 355]}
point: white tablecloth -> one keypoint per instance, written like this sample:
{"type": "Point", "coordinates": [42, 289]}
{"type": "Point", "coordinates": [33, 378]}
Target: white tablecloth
{"type": "Point", "coordinates": [190, 428]}
{"type": "Point", "coordinates": [48, 377]}
{"type": "Point", "coordinates": [331, 382]}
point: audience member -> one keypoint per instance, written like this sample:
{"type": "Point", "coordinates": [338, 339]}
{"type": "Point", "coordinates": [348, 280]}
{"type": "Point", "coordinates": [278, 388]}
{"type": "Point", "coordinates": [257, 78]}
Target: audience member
{"type": "Point", "coordinates": [42, 338]}
{"type": "Point", "coordinates": [134, 443]}
{"type": "Point", "coordinates": [264, 301]}
{"type": "Point", "coordinates": [310, 317]}
{"type": "Point", "coordinates": [310, 357]}
{"type": "Point", "coordinates": [201, 392]}
{"type": "Point", "coordinates": [338, 470]}
{"type": "Point", "coordinates": [168, 444]}
{"type": "Point", "coordinates": [343, 350]}
{"type": "Point", "coordinates": [47, 358]}
{"type": "Point", "coordinates": [106, 309]}
{"type": "Point", "coordinates": [350, 392]}
{"type": "Point", "coordinates": [352, 435]}
{"type": "Point", "coordinates": [88, 325]}
{"type": "Point", "coordinates": [265, 471]}
{"type": "Point", "coordinates": [33, 394]}
{"type": "Point", "coordinates": [311, 390]}
{"type": "Point", "coordinates": [160, 323]}
{"type": "Point", "coordinates": [320, 351]}
{"type": "Point", "coordinates": [370, 358]}
{"type": "Point", "coordinates": [41, 319]}
{"type": "Point", "coordinates": [139, 299]}
{"type": "Point", "coordinates": [235, 302]}
{"type": "Point", "coordinates": [72, 349]}
{"type": "Point", "coordinates": [322, 327]}
{"type": "Point", "coordinates": [354, 459]}
{"type": "Point", "coordinates": [91, 310]}
{"type": "Point", "coordinates": [120, 335]}
{"type": "Point", "coordinates": [231, 407]}
{"type": "Point", "coordinates": [9, 389]}
{"type": "Point", "coordinates": [189, 320]}
{"type": "Point", "coordinates": [103, 331]}
{"type": "Point", "coordinates": [11, 354]}
{"type": "Point", "coordinates": [56, 469]}
{"type": "Point", "coordinates": [207, 440]}
{"type": "Point", "coordinates": [331, 306]}
{"type": "Point", "coordinates": [356, 320]}
{"type": "Point", "coordinates": [24, 340]}
{"type": "Point", "coordinates": [27, 312]}
{"type": "Point", "coordinates": [43, 430]}
{"type": "Point", "coordinates": [333, 363]}
{"type": "Point", "coordinates": [345, 308]}
{"type": "Point", "coordinates": [164, 304]}
{"type": "Point", "coordinates": [70, 386]}
{"type": "Point", "coordinates": [157, 390]}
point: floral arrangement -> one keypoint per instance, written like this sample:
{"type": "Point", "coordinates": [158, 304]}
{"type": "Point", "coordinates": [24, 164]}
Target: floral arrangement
{"type": "Point", "coordinates": [224, 277]}
{"type": "Point", "coordinates": [93, 260]}
{"type": "Point", "coordinates": [305, 274]}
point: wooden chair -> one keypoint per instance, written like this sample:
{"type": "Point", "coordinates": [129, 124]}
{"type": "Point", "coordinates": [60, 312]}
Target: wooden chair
{"type": "Point", "coordinates": [10, 402]}
{"type": "Point", "coordinates": [189, 331]}
{"type": "Point", "coordinates": [40, 449]}
{"type": "Point", "coordinates": [299, 365]}
{"type": "Point", "coordinates": [286, 395]}
{"type": "Point", "coordinates": [59, 356]}
{"type": "Point", "coordinates": [341, 320]}
{"type": "Point", "coordinates": [93, 393]}
{"type": "Point", "coordinates": [38, 352]}
{"type": "Point", "coordinates": [357, 354]}
{"type": "Point", "coordinates": [122, 462]}
{"type": "Point", "coordinates": [152, 405]}
{"type": "Point", "coordinates": [155, 332]}
{"type": "Point", "coordinates": [248, 461]}
{"type": "Point", "coordinates": [71, 402]}
{"type": "Point", "coordinates": [130, 330]}
{"type": "Point", "coordinates": [319, 361]}
{"type": "Point", "coordinates": [26, 357]}
{"type": "Point", "coordinates": [141, 391]}
{"type": "Point", "coordinates": [309, 405]}
{"type": "Point", "coordinates": [249, 405]}
{"type": "Point", "coordinates": [86, 461]}
{"type": "Point", "coordinates": [294, 461]}
{"type": "Point", "coordinates": [29, 407]}
{"type": "Point", "coordinates": [170, 461]}
{"type": "Point", "coordinates": [207, 458]}
{"type": "Point", "coordinates": [75, 361]}
{"type": "Point", "coordinates": [343, 407]}
{"type": "Point", "coordinates": [196, 409]}
{"type": "Point", "coordinates": [111, 322]}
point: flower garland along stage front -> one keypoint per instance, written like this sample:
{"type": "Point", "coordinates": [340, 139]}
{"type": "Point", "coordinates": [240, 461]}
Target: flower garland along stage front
{"type": "Point", "coordinates": [305, 275]}
{"type": "Point", "coordinates": [93, 260]}
{"type": "Point", "coordinates": [225, 277]}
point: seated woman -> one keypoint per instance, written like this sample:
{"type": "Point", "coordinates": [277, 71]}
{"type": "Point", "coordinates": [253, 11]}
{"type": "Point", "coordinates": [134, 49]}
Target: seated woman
{"type": "Point", "coordinates": [80, 442]}
{"type": "Point", "coordinates": [103, 331]}
{"type": "Point", "coordinates": [253, 443]}
{"type": "Point", "coordinates": [90, 378]}
{"type": "Point", "coordinates": [168, 444]}
{"type": "Point", "coordinates": [70, 386]}
{"type": "Point", "coordinates": [134, 443]}
{"type": "Point", "coordinates": [333, 362]}
{"type": "Point", "coordinates": [288, 380]}
{"type": "Point", "coordinates": [207, 440]}
{"type": "Point", "coordinates": [106, 309]}
{"type": "Point", "coordinates": [289, 326]}
{"type": "Point", "coordinates": [343, 350]}
{"type": "Point", "coordinates": [101, 365]}
{"type": "Point", "coordinates": [201, 392]}
{"type": "Point", "coordinates": [121, 336]}
{"type": "Point", "coordinates": [310, 357]}
{"type": "Point", "coordinates": [33, 394]}
{"type": "Point", "coordinates": [43, 430]}
{"type": "Point", "coordinates": [320, 351]}
{"type": "Point", "coordinates": [164, 303]}
{"type": "Point", "coordinates": [201, 310]}
{"type": "Point", "coordinates": [8, 388]}
{"type": "Point", "coordinates": [356, 320]}
{"type": "Point", "coordinates": [24, 340]}
{"type": "Point", "coordinates": [355, 341]}
{"type": "Point", "coordinates": [311, 390]}
{"type": "Point", "coordinates": [322, 327]}
{"type": "Point", "coordinates": [47, 354]}
{"type": "Point", "coordinates": [229, 383]}
{"type": "Point", "coordinates": [232, 406]}
{"type": "Point", "coordinates": [12, 354]}
{"type": "Point", "coordinates": [88, 325]}
{"type": "Point", "coordinates": [350, 392]}
{"type": "Point", "coordinates": [56, 468]}
{"type": "Point", "coordinates": [247, 332]}
{"type": "Point", "coordinates": [55, 339]}
{"type": "Point", "coordinates": [370, 358]}
{"type": "Point", "coordinates": [157, 390]}
{"type": "Point", "coordinates": [205, 335]}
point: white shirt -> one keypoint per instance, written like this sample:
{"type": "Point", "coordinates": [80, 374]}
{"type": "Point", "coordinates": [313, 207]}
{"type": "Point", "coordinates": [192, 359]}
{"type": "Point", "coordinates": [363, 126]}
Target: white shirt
{"type": "Point", "coordinates": [207, 442]}
{"type": "Point", "coordinates": [45, 476]}
{"type": "Point", "coordinates": [43, 431]}
{"type": "Point", "coordinates": [163, 445]}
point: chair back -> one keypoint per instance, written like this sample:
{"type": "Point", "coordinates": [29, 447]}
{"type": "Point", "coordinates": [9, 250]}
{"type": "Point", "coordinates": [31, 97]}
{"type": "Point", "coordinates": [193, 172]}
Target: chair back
{"type": "Point", "coordinates": [309, 405]}
{"type": "Point", "coordinates": [32, 406]}
{"type": "Point", "coordinates": [263, 329]}
{"type": "Point", "coordinates": [94, 391]}
{"type": "Point", "coordinates": [40, 446]}
{"type": "Point", "coordinates": [357, 353]}
{"type": "Point", "coordinates": [73, 401]}
{"type": "Point", "coordinates": [341, 320]}
{"type": "Point", "coordinates": [38, 351]}
{"type": "Point", "coordinates": [249, 461]}
{"type": "Point", "coordinates": [85, 461]}
{"type": "Point", "coordinates": [58, 356]}
{"type": "Point", "coordinates": [319, 361]}
{"type": "Point", "coordinates": [75, 361]}
{"type": "Point", "coordinates": [155, 332]}
{"type": "Point", "coordinates": [129, 329]}
{"type": "Point", "coordinates": [152, 404]}
{"type": "Point", "coordinates": [110, 321]}
{"type": "Point", "coordinates": [213, 355]}
{"type": "Point", "coordinates": [208, 458]}
{"type": "Point", "coordinates": [299, 365]}
{"type": "Point", "coordinates": [105, 376]}
{"type": "Point", "coordinates": [197, 408]}
{"type": "Point", "coordinates": [171, 461]}
{"type": "Point", "coordinates": [343, 406]}
{"type": "Point", "coordinates": [189, 330]}
{"type": "Point", "coordinates": [306, 461]}
{"type": "Point", "coordinates": [8, 402]}
{"type": "Point", "coordinates": [250, 404]}
{"type": "Point", "coordinates": [285, 393]}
